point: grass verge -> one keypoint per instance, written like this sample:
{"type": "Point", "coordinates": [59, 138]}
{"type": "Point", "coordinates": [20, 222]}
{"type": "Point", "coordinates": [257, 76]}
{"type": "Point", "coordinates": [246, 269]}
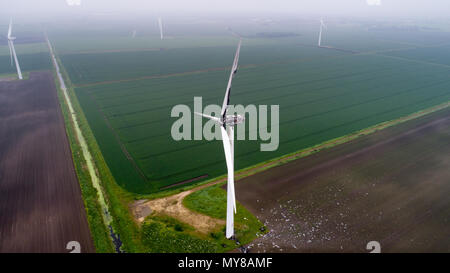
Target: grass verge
{"type": "Point", "coordinates": [164, 234]}
{"type": "Point", "coordinates": [99, 231]}
{"type": "Point", "coordinates": [212, 201]}
{"type": "Point", "coordinates": [117, 199]}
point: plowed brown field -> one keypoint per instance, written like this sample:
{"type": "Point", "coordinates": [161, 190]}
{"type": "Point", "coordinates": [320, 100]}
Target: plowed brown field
{"type": "Point", "coordinates": [392, 187]}
{"type": "Point", "coordinates": [41, 208]}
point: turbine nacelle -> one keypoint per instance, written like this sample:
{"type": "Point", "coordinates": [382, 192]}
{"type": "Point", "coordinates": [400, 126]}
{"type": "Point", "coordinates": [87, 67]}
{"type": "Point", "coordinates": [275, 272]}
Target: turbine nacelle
{"type": "Point", "coordinates": [231, 120]}
{"type": "Point", "coordinates": [322, 23]}
{"type": "Point", "coordinates": [227, 121]}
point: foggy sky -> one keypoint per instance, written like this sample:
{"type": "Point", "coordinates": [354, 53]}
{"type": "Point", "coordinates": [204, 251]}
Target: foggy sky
{"type": "Point", "coordinates": [391, 8]}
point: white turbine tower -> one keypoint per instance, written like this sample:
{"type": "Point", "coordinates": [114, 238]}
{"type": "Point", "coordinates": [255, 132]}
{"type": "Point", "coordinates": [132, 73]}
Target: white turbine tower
{"type": "Point", "coordinates": [322, 25]}
{"type": "Point", "coordinates": [160, 27]}
{"type": "Point", "coordinates": [12, 50]}
{"type": "Point", "coordinates": [227, 123]}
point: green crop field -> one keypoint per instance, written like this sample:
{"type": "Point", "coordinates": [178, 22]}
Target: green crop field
{"type": "Point", "coordinates": [30, 48]}
{"type": "Point", "coordinates": [33, 56]}
{"type": "Point", "coordinates": [127, 91]}
{"type": "Point", "coordinates": [99, 67]}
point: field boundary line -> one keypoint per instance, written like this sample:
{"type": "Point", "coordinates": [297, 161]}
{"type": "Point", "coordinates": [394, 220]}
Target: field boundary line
{"type": "Point", "coordinates": [162, 76]}
{"type": "Point", "coordinates": [124, 50]}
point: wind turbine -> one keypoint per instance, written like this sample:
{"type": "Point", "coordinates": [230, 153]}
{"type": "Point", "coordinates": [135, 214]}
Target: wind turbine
{"type": "Point", "coordinates": [12, 51]}
{"type": "Point", "coordinates": [322, 25]}
{"type": "Point", "coordinates": [160, 27]}
{"type": "Point", "coordinates": [227, 123]}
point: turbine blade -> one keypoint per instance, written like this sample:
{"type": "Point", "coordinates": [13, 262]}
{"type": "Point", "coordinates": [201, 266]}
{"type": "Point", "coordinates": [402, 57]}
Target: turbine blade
{"type": "Point", "coordinates": [19, 72]}
{"type": "Point", "coordinates": [320, 36]}
{"type": "Point", "coordinates": [10, 52]}
{"type": "Point", "coordinates": [230, 131]}
{"type": "Point", "coordinates": [227, 149]}
{"type": "Point", "coordinates": [231, 200]}
{"type": "Point", "coordinates": [160, 28]}
{"type": "Point", "coordinates": [226, 100]}
{"type": "Point", "coordinates": [208, 117]}
{"type": "Point", "coordinates": [10, 28]}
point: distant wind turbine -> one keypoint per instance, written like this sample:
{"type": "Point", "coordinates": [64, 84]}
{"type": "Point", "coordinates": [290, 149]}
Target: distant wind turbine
{"type": "Point", "coordinates": [160, 27]}
{"type": "Point", "coordinates": [322, 25]}
{"type": "Point", "coordinates": [12, 50]}
{"type": "Point", "coordinates": [227, 123]}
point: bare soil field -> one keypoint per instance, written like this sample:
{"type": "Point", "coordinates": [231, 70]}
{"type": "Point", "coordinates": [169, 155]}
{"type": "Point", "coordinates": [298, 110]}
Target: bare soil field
{"type": "Point", "coordinates": [41, 208]}
{"type": "Point", "coordinates": [392, 186]}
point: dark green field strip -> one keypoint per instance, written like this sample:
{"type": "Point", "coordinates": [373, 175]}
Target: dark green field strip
{"type": "Point", "coordinates": [336, 106]}
{"type": "Point", "coordinates": [124, 93]}
{"type": "Point", "coordinates": [144, 94]}
{"type": "Point", "coordinates": [309, 140]}
{"type": "Point", "coordinates": [302, 95]}
{"type": "Point", "coordinates": [216, 165]}
{"type": "Point", "coordinates": [247, 82]}
{"type": "Point", "coordinates": [250, 82]}
{"type": "Point", "coordinates": [298, 92]}
{"type": "Point", "coordinates": [311, 123]}
{"type": "Point", "coordinates": [80, 42]}
{"type": "Point", "coordinates": [157, 90]}
{"type": "Point", "coordinates": [159, 131]}
{"type": "Point", "coordinates": [88, 68]}
{"type": "Point", "coordinates": [151, 121]}
{"type": "Point", "coordinates": [23, 49]}
{"type": "Point", "coordinates": [159, 87]}
{"type": "Point", "coordinates": [194, 89]}
{"type": "Point", "coordinates": [438, 55]}
{"type": "Point", "coordinates": [275, 72]}
{"type": "Point", "coordinates": [359, 41]}
{"type": "Point", "coordinates": [419, 38]}
{"type": "Point", "coordinates": [28, 62]}
{"type": "Point", "coordinates": [133, 87]}
{"type": "Point", "coordinates": [342, 113]}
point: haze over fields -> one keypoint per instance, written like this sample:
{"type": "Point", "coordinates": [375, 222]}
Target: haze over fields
{"type": "Point", "coordinates": [402, 8]}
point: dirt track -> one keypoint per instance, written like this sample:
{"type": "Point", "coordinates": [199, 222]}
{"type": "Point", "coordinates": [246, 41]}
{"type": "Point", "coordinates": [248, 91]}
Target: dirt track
{"type": "Point", "coordinates": [173, 206]}
{"type": "Point", "coordinates": [391, 187]}
{"type": "Point", "coordinates": [41, 208]}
